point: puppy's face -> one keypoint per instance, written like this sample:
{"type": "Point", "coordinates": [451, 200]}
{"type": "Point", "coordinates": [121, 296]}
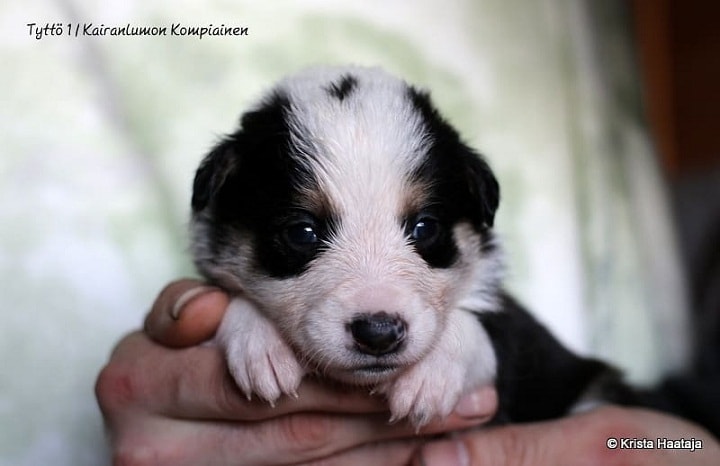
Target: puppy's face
{"type": "Point", "coordinates": [353, 216]}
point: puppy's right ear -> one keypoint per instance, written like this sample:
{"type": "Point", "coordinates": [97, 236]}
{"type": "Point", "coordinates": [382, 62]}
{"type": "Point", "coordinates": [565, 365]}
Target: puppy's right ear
{"type": "Point", "coordinates": [213, 172]}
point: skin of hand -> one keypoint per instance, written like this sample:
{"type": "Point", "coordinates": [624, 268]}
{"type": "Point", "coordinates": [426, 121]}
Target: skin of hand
{"type": "Point", "coordinates": [587, 439]}
{"type": "Point", "coordinates": [168, 399]}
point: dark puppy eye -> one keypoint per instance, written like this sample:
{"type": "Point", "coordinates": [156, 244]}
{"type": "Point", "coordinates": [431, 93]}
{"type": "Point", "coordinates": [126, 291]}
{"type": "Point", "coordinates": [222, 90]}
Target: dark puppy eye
{"type": "Point", "coordinates": [301, 235]}
{"type": "Point", "coordinates": [425, 230]}
{"type": "Point", "coordinates": [429, 233]}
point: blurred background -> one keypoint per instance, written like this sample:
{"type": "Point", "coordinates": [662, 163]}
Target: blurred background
{"type": "Point", "coordinates": [599, 118]}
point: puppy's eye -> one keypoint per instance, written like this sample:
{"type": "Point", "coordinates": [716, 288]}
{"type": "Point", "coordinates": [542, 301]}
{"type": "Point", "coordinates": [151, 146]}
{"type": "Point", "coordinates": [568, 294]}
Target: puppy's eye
{"type": "Point", "coordinates": [425, 230]}
{"type": "Point", "coordinates": [301, 235]}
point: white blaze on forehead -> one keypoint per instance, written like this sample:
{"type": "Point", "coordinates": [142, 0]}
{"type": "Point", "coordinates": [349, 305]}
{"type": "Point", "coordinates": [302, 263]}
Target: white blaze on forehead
{"type": "Point", "coordinates": [361, 148]}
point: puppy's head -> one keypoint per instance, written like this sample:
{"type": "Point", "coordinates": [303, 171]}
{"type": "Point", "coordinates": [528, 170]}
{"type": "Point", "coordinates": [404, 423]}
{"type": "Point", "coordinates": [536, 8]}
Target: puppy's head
{"type": "Point", "coordinates": [352, 214]}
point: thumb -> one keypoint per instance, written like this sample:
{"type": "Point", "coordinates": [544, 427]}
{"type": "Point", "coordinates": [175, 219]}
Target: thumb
{"type": "Point", "coordinates": [185, 313]}
{"type": "Point", "coordinates": [581, 438]}
{"type": "Point", "coordinates": [550, 443]}
{"type": "Point", "coordinates": [516, 445]}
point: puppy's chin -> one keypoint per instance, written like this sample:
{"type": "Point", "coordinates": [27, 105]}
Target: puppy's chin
{"type": "Point", "coordinates": [370, 374]}
{"type": "Point", "coordinates": [367, 370]}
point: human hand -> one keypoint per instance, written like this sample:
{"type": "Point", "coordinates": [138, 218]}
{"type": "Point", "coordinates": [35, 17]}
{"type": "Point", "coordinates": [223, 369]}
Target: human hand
{"type": "Point", "coordinates": [168, 400]}
{"type": "Point", "coordinates": [585, 439]}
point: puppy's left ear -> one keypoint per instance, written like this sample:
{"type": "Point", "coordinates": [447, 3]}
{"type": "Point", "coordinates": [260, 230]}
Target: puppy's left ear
{"type": "Point", "coordinates": [482, 186]}
{"type": "Point", "coordinates": [212, 173]}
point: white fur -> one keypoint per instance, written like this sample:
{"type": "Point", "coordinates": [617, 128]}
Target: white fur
{"type": "Point", "coordinates": [259, 359]}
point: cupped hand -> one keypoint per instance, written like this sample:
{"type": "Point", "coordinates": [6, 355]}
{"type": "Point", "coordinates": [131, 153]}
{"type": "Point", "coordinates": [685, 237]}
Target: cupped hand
{"type": "Point", "coordinates": [167, 399]}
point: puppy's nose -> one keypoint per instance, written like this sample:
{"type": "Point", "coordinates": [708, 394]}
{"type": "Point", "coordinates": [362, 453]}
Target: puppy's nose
{"type": "Point", "coordinates": [378, 333]}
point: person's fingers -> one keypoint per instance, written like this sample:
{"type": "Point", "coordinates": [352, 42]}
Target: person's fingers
{"type": "Point", "coordinates": [290, 439]}
{"type": "Point", "coordinates": [280, 441]}
{"type": "Point", "coordinates": [194, 383]}
{"type": "Point", "coordinates": [349, 439]}
{"type": "Point", "coordinates": [308, 436]}
{"type": "Point", "coordinates": [186, 312]}
{"type": "Point", "coordinates": [389, 453]}
{"type": "Point", "coordinates": [181, 407]}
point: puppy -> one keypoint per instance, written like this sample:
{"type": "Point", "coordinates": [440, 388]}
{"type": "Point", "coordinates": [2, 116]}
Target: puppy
{"type": "Point", "coordinates": [354, 229]}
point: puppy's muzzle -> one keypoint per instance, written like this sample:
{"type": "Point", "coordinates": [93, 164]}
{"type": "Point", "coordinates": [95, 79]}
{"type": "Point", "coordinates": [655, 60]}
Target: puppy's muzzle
{"type": "Point", "coordinates": [378, 334]}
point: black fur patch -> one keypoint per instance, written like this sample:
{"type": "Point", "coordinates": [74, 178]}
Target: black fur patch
{"type": "Point", "coordinates": [343, 88]}
{"type": "Point", "coordinates": [537, 377]}
{"type": "Point", "coordinates": [462, 187]}
{"type": "Point", "coordinates": [250, 183]}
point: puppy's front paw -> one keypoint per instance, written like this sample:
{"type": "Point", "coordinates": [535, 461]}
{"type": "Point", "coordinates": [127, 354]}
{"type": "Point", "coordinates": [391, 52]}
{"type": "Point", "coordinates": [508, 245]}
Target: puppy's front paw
{"type": "Point", "coordinates": [462, 359]}
{"type": "Point", "coordinates": [264, 365]}
{"type": "Point", "coordinates": [430, 389]}
{"type": "Point", "coordinates": [258, 358]}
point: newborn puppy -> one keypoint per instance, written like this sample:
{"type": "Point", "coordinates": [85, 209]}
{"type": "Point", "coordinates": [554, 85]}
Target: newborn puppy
{"type": "Point", "coordinates": [354, 229]}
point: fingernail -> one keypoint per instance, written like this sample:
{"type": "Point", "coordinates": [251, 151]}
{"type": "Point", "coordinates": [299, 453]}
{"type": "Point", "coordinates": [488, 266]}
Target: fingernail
{"type": "Point", "coordinates": [473, 405]}
{"type": "Point", "coordinates": [444, 453]}
{"type": "Point", "coordinates": [188, 296]}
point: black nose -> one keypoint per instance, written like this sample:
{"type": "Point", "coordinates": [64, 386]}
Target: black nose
{"type": "Point", "coordinates": [377, 334]}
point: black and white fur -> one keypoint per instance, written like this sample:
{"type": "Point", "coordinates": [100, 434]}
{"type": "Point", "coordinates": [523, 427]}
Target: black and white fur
{"type": "Point", "coordinates": [354, 228]}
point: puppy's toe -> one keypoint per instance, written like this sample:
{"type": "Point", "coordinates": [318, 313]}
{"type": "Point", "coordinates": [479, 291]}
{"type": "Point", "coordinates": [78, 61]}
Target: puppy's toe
{"type": "Point", "coordinates": [259, 359]}
{"type": "Point", "coordinates": [421, 396]}
{"type": "Point", "coordinates": [266, 369]}
{"type": "Point", "coordinates": [285, 368]}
